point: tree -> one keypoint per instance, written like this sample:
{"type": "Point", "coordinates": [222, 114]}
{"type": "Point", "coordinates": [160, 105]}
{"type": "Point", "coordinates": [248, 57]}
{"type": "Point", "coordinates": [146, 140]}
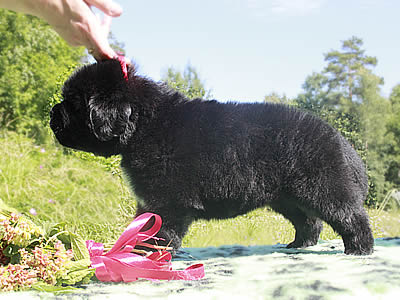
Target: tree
{"type": "Point", "coordinates": [31, 57]}
{"type": "Point", "coordinates": [315, 92]}
{"type": "Point", "coordinates": [393, 137]}
{"type": "Point", "coordinates": [276, 98]}
{"type": "Point", "coordinates": [395, 99]}
{"type": "Point", "coordinates": [374, 112]}
{"type": "Point", "coordinates": [188, 82]}
{"type": "Point", "coordinates": [347, 89]}
{"type": "Point", "coordinates": [344, 72]}
{"type": "Point", "coordinates": [339, 84]}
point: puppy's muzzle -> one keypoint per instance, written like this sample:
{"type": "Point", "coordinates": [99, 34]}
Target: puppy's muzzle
{"type": "Point", "coordinates": [58, 118]}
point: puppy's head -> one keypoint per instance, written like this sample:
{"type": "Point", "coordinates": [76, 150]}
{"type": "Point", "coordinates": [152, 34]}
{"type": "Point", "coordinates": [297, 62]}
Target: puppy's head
{"type": "Point", "coordinates": [96, 114]}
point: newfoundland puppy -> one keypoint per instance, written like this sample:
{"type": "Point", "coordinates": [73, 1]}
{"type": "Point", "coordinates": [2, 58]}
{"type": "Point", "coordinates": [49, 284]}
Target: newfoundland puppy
{"type": "Point", "coordinates": [190, 159]}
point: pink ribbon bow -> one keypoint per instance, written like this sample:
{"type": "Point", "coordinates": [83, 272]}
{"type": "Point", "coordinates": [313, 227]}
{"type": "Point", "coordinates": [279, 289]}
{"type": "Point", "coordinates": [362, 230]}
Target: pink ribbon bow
{"type": "Point", "coordinates": [119, 264]}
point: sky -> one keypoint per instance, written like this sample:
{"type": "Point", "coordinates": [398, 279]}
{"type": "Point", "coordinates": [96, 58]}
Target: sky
{"type": "Point", "coordinates": [246, 49]}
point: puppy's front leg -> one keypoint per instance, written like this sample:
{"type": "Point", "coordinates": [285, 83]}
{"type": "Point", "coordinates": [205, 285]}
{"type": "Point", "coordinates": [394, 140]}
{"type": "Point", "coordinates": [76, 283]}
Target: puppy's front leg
{"type": "Point", "coordinates": [173, 229]}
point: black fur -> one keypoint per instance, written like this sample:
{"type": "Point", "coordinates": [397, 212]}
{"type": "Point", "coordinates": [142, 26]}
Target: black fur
{"type": "Point", "coordinates": [204, 159]}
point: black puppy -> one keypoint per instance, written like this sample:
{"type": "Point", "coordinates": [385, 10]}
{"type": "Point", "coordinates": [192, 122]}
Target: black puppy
{"type": "Point", "coordinates": [204, 159]}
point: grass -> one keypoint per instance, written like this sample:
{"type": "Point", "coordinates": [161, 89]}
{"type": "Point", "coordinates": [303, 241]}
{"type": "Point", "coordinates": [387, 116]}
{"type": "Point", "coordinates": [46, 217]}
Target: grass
{"type": "Point", "coordinates": [96, 204]}
{"type": "Point", "coordinates": [266, 227]}
{"type": "Point", "coordinates": [44, 182]}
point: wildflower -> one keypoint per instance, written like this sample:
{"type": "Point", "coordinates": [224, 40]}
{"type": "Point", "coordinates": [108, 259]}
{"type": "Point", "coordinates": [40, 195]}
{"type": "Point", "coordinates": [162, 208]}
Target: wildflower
{"type": "Point", "coordinates": [42, 150]}
{"type": "Point", "coordinates": [14, 217]}
{"type": "Point", "coordinates": [43, 263]}
{"type": "Point", "coordinates": [51, 201]}
{"type": "Point", "coordinates": [14, 277]}
{"type": "Point", "coordinates": [33, 211]}
{"type": "Point", "coordinates": [18, 231]}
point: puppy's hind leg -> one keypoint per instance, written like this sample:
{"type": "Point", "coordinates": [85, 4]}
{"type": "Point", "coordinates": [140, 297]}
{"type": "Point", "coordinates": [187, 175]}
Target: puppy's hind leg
{"type": "Point", "coordinates": [355, 231]}
{"type": "Point", "coordinates": [307, 228]}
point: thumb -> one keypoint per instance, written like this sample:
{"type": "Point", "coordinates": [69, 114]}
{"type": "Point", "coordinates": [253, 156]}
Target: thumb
{"type": "Point", "coordinates": [106, 6]}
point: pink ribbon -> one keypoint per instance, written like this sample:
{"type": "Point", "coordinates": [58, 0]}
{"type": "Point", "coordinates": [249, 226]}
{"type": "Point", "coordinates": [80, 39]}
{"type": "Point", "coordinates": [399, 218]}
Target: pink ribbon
{"type": "Point", "coordinates": [119, 264]}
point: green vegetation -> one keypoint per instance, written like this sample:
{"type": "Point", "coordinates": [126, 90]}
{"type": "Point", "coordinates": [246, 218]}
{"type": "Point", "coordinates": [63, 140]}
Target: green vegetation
{"type": "Point", "coordinates": [188, 82]}
{"type": "Point", "coordinates": [265, 227]}
{"type": "Point", "coordinates": [93, 202]}
{"type": "Point", "coordinates": [31, 57]}
{"type": "Point", "coordinates": [53, 184]}
{"type": "Point", "coordinates": [347, 87]}
{"type": "Point", "coordinates": [43, 180]}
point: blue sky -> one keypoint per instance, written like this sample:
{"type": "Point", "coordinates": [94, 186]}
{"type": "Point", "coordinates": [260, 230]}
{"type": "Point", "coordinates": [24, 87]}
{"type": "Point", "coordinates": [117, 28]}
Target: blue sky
{"type": "Point", "coordinates": [246, 49]}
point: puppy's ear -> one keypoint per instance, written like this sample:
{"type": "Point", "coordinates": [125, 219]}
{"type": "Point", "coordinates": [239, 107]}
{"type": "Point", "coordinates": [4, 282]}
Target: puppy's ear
{"type": "Point", "coordinates": [112, 120]}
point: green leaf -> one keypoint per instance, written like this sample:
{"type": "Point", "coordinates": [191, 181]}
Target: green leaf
{"type": "Point", "coordinates": [82, 276]}
{"type": "Point", "coordinates": [11, 250]}
{"type": "Point", "coordinates": [78, 272]}
{"type": "Point", "coordinates": [43, 287]}
{"type": "Point", "coordinates": [15, 259]}
{"type": "Point", "coordinates": [59, 230]}
{"type": "Point", "coordinates": [78, 246]}
{"type": "Point", "coordinates": [82, 264]}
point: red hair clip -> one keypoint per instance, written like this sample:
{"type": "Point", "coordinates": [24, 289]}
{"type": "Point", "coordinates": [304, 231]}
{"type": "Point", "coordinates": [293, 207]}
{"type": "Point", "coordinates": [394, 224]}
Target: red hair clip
{"type": "Point", "coordinates": [122, 61]}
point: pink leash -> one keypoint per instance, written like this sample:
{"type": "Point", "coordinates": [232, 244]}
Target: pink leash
{"type": "Point", "coordinates": [119, 264]}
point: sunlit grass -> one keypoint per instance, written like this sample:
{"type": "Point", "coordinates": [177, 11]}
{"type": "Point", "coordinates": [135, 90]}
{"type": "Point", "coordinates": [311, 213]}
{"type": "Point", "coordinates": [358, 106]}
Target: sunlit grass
{"type": "Point", "coordinates": [51, 186]}
{"type": "Point", "coordinates": [265, 227]}
{"type": "Point", "coordinates": [385, 224]}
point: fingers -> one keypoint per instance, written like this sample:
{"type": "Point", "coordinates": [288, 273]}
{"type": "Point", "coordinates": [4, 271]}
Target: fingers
{"type": "Point", "coordinates": [104, 54]}
{"type": "Point", "coordinates": [106, 24]}
{"type": "Point", "coordinates": [107, 6]}
{"type": "Point", "coordinates": [94, 30]}
{"type": "Point", "coordinates": [101, 49]}
{"type": "Point", "coordinates": [108, 52]}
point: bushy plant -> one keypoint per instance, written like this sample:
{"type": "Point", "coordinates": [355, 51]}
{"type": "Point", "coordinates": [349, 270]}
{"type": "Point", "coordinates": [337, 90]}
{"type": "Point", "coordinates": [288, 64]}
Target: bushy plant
{"type": "Point", "coordinates": [31, 57]}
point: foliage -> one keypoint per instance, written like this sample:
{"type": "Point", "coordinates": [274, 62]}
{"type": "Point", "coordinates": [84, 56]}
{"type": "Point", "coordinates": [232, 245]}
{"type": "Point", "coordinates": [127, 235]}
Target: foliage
{"type": "Point", "coordinates": [276, 98]}
{"type": "Point", "coordinates": [188, 82]}
{"type": "Point", "coordinates": [31, 257]}
{"type": "Point", "coordinates": [316, 92]}
{"type": "Point", "coordinates": [374, 113]}
{"type": "Point", "coordinates": [42, 180]}
{"type": "Point", "coordinates": [116, 45]}
{"type": "Point", "coordinates": [266, 227]}
{"type": "Point", "coordinates": [340, 84]}
{"type": "Point", "coordinates": [393, 136]}
{"type": "Point", "coordinates": [348, 89]}
{"type": "Point", "coordinates": [343, 71]}
{"type": "Point", "coordinates": [31, 57]}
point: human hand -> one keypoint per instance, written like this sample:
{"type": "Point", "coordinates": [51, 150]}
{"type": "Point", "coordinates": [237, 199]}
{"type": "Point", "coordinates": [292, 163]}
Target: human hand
{"type": "Point", "coordinates": [80, 26]}
{"type": "Point", "coordinates": [74, 21]}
